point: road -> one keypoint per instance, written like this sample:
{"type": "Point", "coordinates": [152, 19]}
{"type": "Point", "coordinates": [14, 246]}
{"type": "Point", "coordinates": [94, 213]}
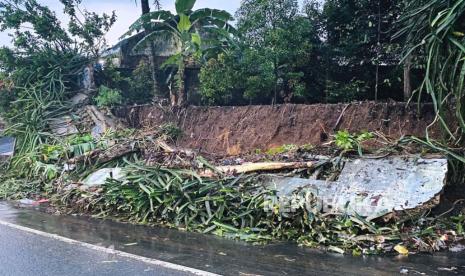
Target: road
{"type": "Point", "coordinates": [36, 243]}
{"type": "Point", "coordinates": [26, 253]}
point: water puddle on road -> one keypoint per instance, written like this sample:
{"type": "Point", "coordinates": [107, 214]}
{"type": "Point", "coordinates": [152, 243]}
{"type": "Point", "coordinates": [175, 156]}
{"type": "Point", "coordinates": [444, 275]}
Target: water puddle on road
{"type": "Point", "coordinates": [227, 257]}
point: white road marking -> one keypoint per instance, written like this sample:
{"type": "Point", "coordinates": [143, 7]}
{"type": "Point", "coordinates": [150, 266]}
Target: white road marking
{"type": "Point", "coordinates": [110, 251]}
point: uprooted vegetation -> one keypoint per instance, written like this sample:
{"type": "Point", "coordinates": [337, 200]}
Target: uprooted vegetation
{"type": "Point", "coordinates": [172, 192]}
{"type": "Point", "coordinates": [159, 184]}
{"type": "Point", "coordinates": [62, 144]}
{"type": "Point", "coordinates": [242, 208]}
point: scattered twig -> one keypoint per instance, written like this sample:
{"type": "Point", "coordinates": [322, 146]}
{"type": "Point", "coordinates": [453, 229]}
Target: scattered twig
{"type": "Point", "coordinates": [452, 208]}
{"type": "Point", "coordinates": [339, 120]}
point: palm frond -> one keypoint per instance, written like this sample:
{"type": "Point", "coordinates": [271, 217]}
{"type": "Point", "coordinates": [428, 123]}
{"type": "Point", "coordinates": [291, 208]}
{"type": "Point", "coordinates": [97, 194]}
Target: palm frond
{"type": "Point", "coordinates": [211, 13]}
{"type": "Point", "coordinates": [184, 6]}
{"type": "Point", "coordinates": [146, 21]}
{"type": "Point", "coordinates": [432, 30]}
{"type": "Point", "coordinates": [161, 39]}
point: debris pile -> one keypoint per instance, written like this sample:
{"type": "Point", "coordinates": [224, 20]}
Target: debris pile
{"type": "Point", "coordinates": [316, 196]}
{"type": "Point", "coordinates": [345, 203]}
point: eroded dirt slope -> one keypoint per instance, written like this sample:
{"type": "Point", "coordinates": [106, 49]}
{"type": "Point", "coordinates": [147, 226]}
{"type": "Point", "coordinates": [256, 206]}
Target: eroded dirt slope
{"type": "Point", "coordinates": [235, 130]}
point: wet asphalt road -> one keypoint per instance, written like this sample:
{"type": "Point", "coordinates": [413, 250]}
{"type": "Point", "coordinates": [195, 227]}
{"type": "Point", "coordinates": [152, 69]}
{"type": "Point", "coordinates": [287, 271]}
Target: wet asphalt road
{"type": "Point", "coordinates": [23, 253]}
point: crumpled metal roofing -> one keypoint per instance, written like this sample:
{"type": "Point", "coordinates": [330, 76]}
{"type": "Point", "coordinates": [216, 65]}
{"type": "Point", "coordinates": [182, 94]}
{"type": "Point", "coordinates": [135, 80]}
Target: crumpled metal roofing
{"type": "Point", "coordinates": [374, 187]}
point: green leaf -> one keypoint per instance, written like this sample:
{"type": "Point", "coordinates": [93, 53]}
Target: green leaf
{"type": "Point", "coordinates": [157, 16]}
{"type": "Point", "coordinates": [145, 189]}
{"type": "Point", "coordinates": [184, 6]}
{"type": "Point", "coordinates": [211, 13]}
{"type": "Point", "coordinates": [147, 20]}
{"type": "Point", "coordinates": [226, 227]}
{"type": "Point", "coordinates": [173, 60]}
{"type": "Point", "coordinates": [184, 24]}
{"type": "Point", "coordinates": [196, 39]}
{"type": "Point", "coordinates": [159, 38]}
{"type": "Point", "coordinates": [209, 229]}
{"type": "Point", "coordinates": [458, 44]}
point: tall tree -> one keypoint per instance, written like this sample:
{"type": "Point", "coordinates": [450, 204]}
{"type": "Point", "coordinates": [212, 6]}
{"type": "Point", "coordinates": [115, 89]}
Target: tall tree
{"type": "Point", "coordinates": [359, 37]}
{"type": "Point", "coordinates": [184, 30]}
{"type": "Point", "coordinates": [145, 6]}
{"type": "Point", "coordinates": [408, 78]}
{"type": "Point", "coordinates": [277, 31]}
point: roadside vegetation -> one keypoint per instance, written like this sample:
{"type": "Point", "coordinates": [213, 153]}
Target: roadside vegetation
{"type": "Point", "coordinates": [277, 52]}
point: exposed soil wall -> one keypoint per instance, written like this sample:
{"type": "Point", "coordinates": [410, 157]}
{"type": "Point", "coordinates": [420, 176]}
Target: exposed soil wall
{"type": "Point", "coordinates": [234, 130]}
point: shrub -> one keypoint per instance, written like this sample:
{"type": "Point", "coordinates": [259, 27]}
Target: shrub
{"type": "Point", "coordinates": [347, 141]}
{"type": "Point", "coordinates": [170, 130]}
{"type": "Point", "coordinates": [6, 97]}
{"type": "Point", "coordinates": [140, 85]}
{"type": "Point", "coordinates": [217, 80]}
{"type": "Point", "coordinates": [108, 97]}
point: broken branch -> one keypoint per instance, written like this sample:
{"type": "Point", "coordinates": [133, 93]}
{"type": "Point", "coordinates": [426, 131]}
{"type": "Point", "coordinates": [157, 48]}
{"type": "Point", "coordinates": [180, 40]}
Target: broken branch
{"type": "Point", "coordinates": [257, 167]}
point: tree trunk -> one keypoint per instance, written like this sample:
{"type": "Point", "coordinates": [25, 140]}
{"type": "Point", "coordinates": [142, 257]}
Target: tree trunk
{"type": "Point", "coordinates": [153, 68]}
{"type": "Point", "coordinates": [173, 94]}
{"type": "Point", "coordinates": [377, 82]}
{"type": "Point", "coordinates": [327, 70]}
{"type": "Point", "coordinates": [407, 78]}
{"type": "Point", "coordinates": [145, 6]}
{"type": "Point", "coordinates": [276, 78]}
{"type": "Point", "coordinates": [181, 79]}
{"type": "Point", "coordinates": [378, 52]}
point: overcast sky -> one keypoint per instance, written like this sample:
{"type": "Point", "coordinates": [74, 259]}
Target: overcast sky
{"type": "Point", "coordinates": [127, 12]}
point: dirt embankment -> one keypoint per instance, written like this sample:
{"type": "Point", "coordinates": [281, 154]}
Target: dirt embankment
{"type": "Point", "coordinates": [234, 130]}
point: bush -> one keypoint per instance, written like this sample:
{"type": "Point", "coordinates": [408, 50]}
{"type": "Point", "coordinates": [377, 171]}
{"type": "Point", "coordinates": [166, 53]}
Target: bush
{"type": "Point", "coordinates": [6, 97]}
{"type": "Point", "coordinates": [136, 86]}
{"type": "Point", "coordinates": [348, 142]}
{"type": "Point", "coordinates": [238, 77]}
{"type": "Point", "coordinates": [171, 131]}
{"type": "Point", "coordinates": [217, 81]}
{"type": "Point", "coordinates": [108, 97]}
{"type": "Point", "coordinates": [140, 85]}
{"type": "Point", "coordinates": [13, 189]}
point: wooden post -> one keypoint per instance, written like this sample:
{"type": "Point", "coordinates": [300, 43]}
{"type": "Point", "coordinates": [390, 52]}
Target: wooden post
{"type": "Point", "coordinates": [407, 78]}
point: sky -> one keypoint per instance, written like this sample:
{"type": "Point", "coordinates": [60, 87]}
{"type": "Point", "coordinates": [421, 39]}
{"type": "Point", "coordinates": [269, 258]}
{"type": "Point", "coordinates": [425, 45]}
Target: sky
{"type": "Point", "coordinates": [127, 12]}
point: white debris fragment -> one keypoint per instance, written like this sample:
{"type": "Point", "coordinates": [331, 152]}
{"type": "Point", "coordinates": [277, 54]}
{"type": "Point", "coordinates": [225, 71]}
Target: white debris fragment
{"type": "Point", "coordinates": [99, 177]}
{"type": "Point", "coordinates": [374, 187]}
{"type": "Point", "coordinates": [7, 146]}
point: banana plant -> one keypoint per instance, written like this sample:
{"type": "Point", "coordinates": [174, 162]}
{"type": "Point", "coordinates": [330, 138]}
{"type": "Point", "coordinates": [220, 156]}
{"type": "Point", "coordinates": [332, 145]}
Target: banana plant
{"type": "Point", "coordinates": [190, 34]}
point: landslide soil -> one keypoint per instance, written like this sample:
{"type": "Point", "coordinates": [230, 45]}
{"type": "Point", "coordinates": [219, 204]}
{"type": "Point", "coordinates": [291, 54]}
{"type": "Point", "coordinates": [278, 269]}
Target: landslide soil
{"type": "Point", "coordinates": [231, 131]}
